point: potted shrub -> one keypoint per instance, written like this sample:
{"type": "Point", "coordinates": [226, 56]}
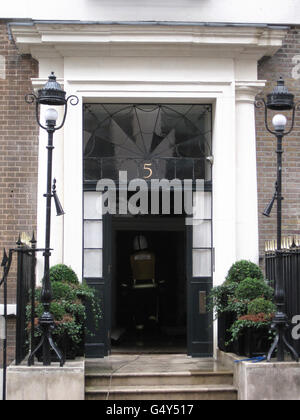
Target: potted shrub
{"type": "Point", "coordinates": [230, 301]}
{"type": "Point", "coordinates": [252, 331]}
{"type": "Point", "coordinates": [243, 269]}
{"type": "Point", "coordinates": [68, 309]}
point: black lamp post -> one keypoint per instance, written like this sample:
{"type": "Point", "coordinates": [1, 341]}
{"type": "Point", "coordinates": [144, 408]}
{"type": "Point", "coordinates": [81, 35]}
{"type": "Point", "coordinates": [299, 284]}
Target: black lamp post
{"type": "Point", "coordinates": [52, 95]}
{"type": "Point", "coordinates": [279, 100]}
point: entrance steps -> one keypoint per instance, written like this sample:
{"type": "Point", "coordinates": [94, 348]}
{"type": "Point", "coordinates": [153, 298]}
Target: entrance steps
{"type": "Point", "coordinates": [193, 379]}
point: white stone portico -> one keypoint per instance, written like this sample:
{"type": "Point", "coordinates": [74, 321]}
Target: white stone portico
{"type": "Point", "coordinates": [177, 64]}
{"type": "Point", "coordinates": [156, 64]}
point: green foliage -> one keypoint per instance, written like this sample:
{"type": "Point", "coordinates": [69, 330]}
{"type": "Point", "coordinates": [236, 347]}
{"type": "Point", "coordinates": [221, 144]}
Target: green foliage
{"type": "Point", "coordinates": [252, 288]}
{"type": "Point", "coordinates": [62, 273]}
{"type": "Point", "coordinates": [261, 305]}
{"type": "Point", "coordinates": [241, 325]}
{"type": "Point", "coordinates": [64, 291]}
{"type": "Point", "coordinates": [219, 297]}
{"type": "Point", "coordinates": [245, 294]}
{"type": "Point", "coordinates": [56, 309]}
{"type": "Point", "coordinates": [237, 306]}
{"type": "Point", "coordinates": [68, 305]}
{"type": "Point", "coordinates": [243, 269]}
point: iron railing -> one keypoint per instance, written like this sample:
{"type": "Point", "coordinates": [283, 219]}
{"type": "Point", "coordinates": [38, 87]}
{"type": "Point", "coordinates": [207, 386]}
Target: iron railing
{"type": "Point", "coordinates": [6, 263]}
{"type": "Point", "coordinates": [26, 263]}
{"type": "Point", "coordinates": [291, 273]}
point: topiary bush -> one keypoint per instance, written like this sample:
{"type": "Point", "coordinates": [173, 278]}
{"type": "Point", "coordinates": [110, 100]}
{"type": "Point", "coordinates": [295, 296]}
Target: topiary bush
{"type": "Point", "coordinates": [62, 273]}
{"type": "Point", "coordinates": [252, 288]}
{"type": "Point", "coordinates": [261, 305]}
{"type": "Point", "coordinates": [243, 304]}
{"type": "Point", "coordinates": [244, 269]}
{"type": "Point", "coordinates": [68, 308]}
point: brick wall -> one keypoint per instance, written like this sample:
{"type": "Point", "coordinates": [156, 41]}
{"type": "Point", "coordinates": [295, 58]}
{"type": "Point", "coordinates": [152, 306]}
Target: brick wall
{"type": "Point", "coordinates": [283, 63]}
{"type": "Point", "coordinates": [18, 154]}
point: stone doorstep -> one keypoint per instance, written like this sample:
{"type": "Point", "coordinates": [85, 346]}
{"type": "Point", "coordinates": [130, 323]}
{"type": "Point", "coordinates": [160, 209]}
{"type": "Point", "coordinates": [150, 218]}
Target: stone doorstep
{"type": "Point", "coordinates": [159, 378]}
{"type": "Point", "coordinates": [158, 392]}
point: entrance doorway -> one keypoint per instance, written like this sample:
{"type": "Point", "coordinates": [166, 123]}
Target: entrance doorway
{"type": "Point", "coordinates": [149, 143]}
{"type": "Point", "coordinates": [150, 319]}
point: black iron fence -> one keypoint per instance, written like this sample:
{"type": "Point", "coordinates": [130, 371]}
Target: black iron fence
{"type": "Point", "coordinates": [291, 270]}
{"type": "Point", "coordinates": [26, 263]}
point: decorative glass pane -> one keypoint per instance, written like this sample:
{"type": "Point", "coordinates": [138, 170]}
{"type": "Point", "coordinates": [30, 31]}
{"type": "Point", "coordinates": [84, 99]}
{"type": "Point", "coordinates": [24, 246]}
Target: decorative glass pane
{"type": "Point", "coordinates": [202, 204]}
{"type": "Point", "coordinates": [93, 263]}
{"type": "Point", "coordinates": [202, 169]}
{"type": "Point", "coordinates": [202, 263]}
{"type": "Point", "coordinates": [92, 169]}
{"type": "Point", "coordinates": [93, 234]}
{"type": "Point", "coordinates": [201, 234]}
{"type": "Point", "coordinates": [185, 169]}
{"type": "Point", "coordinates": [114, 134]}
{"type": "Point", "coordinates": [93, 205]}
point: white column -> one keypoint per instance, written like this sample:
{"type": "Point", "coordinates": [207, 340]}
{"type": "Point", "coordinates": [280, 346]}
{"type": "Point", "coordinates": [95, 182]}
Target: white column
{"type": "Point", "coordinates": [247, 246]}
{"type": "Point", "coordinates": [224, 192]}
{"type": "Point", "coordinates": [73, 182]}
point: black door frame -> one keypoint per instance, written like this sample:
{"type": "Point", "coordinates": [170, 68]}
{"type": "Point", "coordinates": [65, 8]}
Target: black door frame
{"type": "Point", "coordinates": [200, 321]}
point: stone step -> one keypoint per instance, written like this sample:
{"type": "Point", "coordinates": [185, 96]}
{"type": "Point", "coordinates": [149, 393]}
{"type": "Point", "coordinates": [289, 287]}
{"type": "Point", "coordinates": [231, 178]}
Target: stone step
{"type": "Point", "coordinates": [162, 392]}
{"type": "Point", "coordinates": [94, 379]}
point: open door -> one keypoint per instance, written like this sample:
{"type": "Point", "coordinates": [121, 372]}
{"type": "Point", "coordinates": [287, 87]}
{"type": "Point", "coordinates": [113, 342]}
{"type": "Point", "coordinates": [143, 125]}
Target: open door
{"type": "Point", "coordinates": [199, 279]}
{"type": "Point", "coordinates": [97, 249]}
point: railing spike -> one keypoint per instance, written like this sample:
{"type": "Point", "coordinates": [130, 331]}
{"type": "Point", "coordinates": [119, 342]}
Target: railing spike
{"type": "Point", "coordinates": [19, 242]}
{"type": "Point", "coordinates": [4, 259]}
{"type": "Point", "coordinates": [33, 240]}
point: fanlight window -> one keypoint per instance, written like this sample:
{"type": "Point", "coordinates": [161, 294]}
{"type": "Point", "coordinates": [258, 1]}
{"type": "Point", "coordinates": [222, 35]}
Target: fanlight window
{"type": "Point", "coordinates": [147, 141]}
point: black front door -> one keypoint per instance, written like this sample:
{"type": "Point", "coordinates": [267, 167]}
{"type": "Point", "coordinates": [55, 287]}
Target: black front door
{"type": "Point", "coordinates": [162, 310]}
{"type": "Point", "coordinates": [98, 342]}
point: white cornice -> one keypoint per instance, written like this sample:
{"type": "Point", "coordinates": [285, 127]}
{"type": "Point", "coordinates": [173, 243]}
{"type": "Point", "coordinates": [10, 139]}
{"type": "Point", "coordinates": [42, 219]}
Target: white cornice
{"type": "Point", "coordinates": [60, 40]}
{"type": "Point", "coordinates": [88, 87]}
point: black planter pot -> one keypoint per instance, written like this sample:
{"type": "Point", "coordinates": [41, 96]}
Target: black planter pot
{"type": "Point", "coordinates": [68, 349]}
{"type": "Point", "coordinates": [254, 342]}
{"type": "Point", "coordinates": [225, 320]}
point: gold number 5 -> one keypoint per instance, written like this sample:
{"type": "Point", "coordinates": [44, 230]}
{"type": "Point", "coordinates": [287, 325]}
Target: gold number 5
{"type": "Point", "coordinates": [147, 167]}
